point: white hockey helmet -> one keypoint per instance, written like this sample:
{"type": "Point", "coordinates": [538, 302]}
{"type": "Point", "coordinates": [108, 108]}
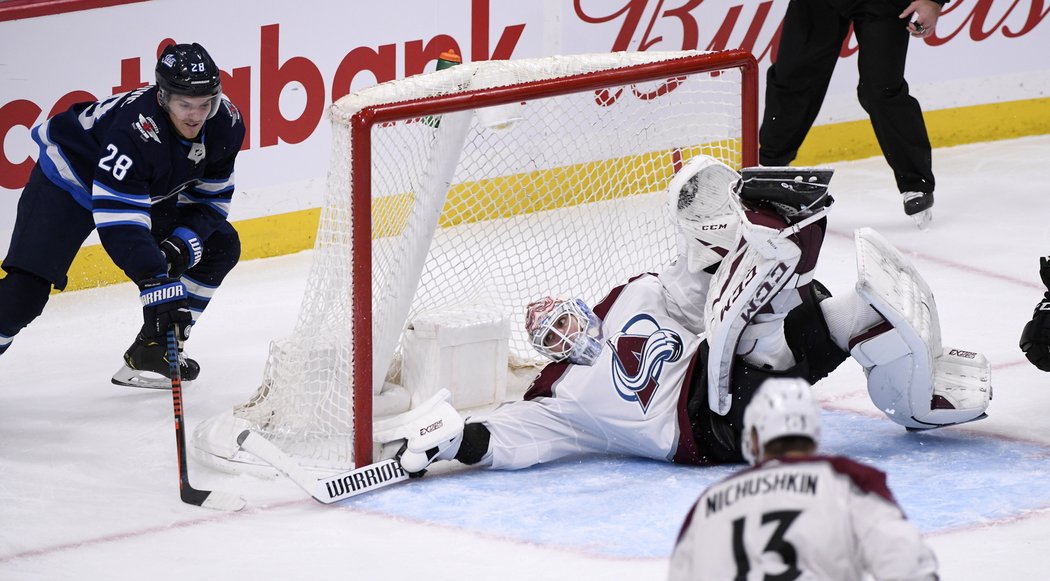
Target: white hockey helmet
{"type": "Point", "coordinates": [563, 329]}
{"type": "Point", "coordinates": [781, 407]}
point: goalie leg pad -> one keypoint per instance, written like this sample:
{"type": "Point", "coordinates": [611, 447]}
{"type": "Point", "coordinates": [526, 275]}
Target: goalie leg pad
{"type": "Point", "coordinates": [758, 285]}
{"type": "Point", "coordinates": [911, 377]}
{"type": "Point", "coordinates": [919, 393]}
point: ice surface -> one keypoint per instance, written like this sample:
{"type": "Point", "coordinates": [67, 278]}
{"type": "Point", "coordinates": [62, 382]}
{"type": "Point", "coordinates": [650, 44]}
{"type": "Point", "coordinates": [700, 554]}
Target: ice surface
{"type": "Point", "coordinates": [89, 487]}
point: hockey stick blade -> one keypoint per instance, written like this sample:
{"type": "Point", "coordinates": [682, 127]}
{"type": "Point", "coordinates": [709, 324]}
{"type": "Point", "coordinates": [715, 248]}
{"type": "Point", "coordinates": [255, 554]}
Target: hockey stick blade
{"type": "Point", "coordinates": [330, 488]}
{"type": "Point", "coordinates": [190, 495]}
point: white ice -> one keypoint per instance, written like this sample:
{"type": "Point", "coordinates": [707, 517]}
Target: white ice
{"type": "Point", "coordinates": [88, 482]}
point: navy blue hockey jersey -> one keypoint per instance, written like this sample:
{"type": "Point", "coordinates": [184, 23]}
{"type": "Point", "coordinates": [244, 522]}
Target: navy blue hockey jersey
{"type": "Point", "coordinates": [122, 159]}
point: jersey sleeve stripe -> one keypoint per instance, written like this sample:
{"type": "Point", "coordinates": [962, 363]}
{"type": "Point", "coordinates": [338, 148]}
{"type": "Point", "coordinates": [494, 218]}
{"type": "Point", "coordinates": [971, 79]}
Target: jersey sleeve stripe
{"type": "Point", "coordinates": [219, 205]}
{"type": "Point", "coordinates": [53, 161]}
{"type": "Point", "coordinates": [199, 289]}
{"type": "Point", "coordinates": [214, 187]}
{"type": "Point", "coordinates": [110, 218]}
{"type": "Point", "coordinates": [100, 191]}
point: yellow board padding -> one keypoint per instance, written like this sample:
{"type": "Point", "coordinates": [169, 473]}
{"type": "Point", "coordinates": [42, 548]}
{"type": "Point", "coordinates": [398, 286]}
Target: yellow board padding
{"type": "Point", "coordinates": [548, 189]}
{"type": "Point", "coordinates": [260, 238]}
{"type": "Point", "coordinates": [947, 127]}
{"type": "Point", "coordinates": [571, 185]}
{"type": "Point", "coordinates": [295, 231]}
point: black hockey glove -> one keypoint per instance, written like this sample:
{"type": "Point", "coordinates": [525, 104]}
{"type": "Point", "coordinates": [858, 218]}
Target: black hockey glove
{"type": "Point", "coordinates": [1044, 271]}
{"type": "Point", "coordinates": [183, 250]}
{"type": "Point", "coordinates": [1035, 338]}
{"type": "Point", "coordinates": [164, 303]}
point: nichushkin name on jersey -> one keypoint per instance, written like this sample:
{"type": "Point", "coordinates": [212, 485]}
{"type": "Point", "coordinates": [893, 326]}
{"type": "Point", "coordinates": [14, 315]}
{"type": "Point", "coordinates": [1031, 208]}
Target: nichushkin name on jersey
{"type": "Point", "coordinates": [797, 482]}
{"type": "Point", "coordinates": [363, 479]}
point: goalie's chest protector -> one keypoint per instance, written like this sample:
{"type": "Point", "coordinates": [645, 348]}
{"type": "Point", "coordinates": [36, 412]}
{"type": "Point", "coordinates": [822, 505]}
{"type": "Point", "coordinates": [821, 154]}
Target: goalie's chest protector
{"type": "Point", "coordinates": [631, 394]}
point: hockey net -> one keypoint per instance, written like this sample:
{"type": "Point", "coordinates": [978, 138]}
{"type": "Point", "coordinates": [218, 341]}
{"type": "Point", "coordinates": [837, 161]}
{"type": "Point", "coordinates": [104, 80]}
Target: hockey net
{"type": "Point", "coordinates": [481, 187]}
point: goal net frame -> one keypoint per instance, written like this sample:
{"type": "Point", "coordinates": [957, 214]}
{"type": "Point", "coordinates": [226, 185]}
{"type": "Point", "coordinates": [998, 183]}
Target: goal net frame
{"type": "Point", "coordinates": [361, 124]}
{"type": "Point", "coordinates": [285, 407]}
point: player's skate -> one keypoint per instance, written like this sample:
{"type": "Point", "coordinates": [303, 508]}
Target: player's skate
{"type": "Point", "coordinates": [782, 228]}
{"type": "Point", "coordinates": [146, 365]}
{"type": "Point", "coordinates": [919, 205]}
{"type": "Point", "coordinates": [912, 378]}
{"type": "Point", "coordinates": [431, 431]}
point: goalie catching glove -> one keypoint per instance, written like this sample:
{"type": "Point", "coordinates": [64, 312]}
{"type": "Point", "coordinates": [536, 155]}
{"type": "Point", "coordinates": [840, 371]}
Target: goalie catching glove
{"type": "Point", "coordinates": [1035, 338]}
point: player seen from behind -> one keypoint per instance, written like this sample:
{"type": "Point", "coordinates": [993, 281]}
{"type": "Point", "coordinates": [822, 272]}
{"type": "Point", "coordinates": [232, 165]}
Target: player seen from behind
{"type": "Point", "coordinates": [152, 171]}
{"type": "Point", "coordinates": [796, 514]}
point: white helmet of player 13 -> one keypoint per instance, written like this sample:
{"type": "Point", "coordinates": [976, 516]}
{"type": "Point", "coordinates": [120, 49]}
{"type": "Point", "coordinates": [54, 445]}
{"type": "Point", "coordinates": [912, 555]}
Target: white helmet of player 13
{"type": "Point", "coordinates": [781, 407]}
{"type": "Point", "coordinates": [563, 329]}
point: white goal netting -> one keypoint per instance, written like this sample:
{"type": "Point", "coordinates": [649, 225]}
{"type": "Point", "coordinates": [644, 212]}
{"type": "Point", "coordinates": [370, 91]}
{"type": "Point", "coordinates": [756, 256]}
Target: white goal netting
{"type": "Point", "coordinates": [479, 207]}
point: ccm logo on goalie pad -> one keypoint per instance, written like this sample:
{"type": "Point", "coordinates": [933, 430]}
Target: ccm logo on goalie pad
{"type": "Point", "coordinates": [758, 299]}
{"type": "Point", "coordinates": [434, 426]}
{"type": "Point", "coordinates": [964, 354]}
{"type": "Point", "coordinates": [363, 479]}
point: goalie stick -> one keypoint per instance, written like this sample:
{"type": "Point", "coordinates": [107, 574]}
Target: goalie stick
{"type": "Point", "coordinates": [328, 489]}
{"type": "Point", "coordinates": [190, 495]}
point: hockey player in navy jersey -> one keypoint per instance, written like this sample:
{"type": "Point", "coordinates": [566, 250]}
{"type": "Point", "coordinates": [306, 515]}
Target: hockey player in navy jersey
{"type": "Point", "coordinates": [664, 366]}
{"type": "Point", "coordinates": [152, 171]}
{"type": "Point", "coordinates": [797, 514]}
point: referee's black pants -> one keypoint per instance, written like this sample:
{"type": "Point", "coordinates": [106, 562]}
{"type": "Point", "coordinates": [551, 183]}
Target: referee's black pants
{"type": "Point", "coordinates": [810, 42]}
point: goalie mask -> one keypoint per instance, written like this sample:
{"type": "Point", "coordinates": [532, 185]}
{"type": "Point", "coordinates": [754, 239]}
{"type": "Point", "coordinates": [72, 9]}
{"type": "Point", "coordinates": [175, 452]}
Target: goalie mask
{"type": "Point", "coordinates": [188, 69]}
{"type": "Point", "coordinates": [781, 407]}
{"type": "Point", "coordinates": [564, 329]}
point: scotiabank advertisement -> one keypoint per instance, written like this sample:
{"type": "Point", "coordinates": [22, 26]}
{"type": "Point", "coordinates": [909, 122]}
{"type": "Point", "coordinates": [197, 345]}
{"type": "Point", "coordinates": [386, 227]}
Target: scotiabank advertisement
{"type": "Point", "coordinates": [284, 63]}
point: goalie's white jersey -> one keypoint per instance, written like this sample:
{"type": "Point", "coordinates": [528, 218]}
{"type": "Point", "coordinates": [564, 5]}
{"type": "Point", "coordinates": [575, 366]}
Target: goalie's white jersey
{"type": "Point", "coordinates": [631, 401]}
{"type": "Point", "coordinates": [810, 518]}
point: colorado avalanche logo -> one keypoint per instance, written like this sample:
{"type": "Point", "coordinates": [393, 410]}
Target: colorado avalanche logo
{"type": "Point", "coordinates": [639, 351]}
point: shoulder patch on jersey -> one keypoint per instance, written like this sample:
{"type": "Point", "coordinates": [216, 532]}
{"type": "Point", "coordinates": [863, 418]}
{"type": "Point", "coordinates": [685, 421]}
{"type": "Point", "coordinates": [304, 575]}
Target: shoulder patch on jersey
{"type": "Point", "coordinates": [235, 113]}
{"type": "Point", "coordinates": [147, 128]}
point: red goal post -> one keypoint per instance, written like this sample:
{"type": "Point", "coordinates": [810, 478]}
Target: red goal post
{"type": "Point", "coordinates": [436, 175]}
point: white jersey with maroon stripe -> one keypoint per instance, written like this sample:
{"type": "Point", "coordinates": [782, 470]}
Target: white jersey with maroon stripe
{"type": "Point", "coordinates": [815, 517]}
{"type": "Point", "coordinates": [631, 400]}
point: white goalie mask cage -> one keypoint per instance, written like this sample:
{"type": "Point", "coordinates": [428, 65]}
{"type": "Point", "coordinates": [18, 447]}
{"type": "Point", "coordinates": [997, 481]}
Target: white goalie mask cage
{"type": "Point", "coordinates": [546, 319]}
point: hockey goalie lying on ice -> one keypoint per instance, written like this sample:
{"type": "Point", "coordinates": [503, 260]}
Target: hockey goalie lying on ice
{"type": "Point", "coordinates": [664, 365]}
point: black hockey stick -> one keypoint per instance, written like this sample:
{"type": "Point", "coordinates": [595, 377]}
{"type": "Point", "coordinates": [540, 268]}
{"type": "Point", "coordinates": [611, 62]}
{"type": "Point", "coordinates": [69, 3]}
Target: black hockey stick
{"type": "Point", "coordinates": [327, 489]}
{"type": "Point", "coordinates": [190, 495]}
